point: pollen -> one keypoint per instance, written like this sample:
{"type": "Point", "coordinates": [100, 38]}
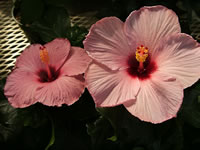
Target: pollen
{"type": "Point", "coordinates": [44, 56]}
{"type": "Point", "coordinates": [141, 53]}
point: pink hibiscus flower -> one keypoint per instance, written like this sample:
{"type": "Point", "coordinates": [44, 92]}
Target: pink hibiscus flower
{"type": "Point", "coordinates": [49, 74]}
{"type": "Point", "coordinates": [144, 63]}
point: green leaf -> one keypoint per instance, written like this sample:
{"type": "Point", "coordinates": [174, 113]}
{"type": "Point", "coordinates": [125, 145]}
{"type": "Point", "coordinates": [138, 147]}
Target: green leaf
{"type": "Point", "coordinates": [128, 129]}
{"type": "Point", "coordinates": [2, 83]}
{"type": "Point", "coordinates": [52, 140]}
{"type": "Point", "coordinates": [195, 4]}
{"type": "Point", "coordinates": [10, 123]}
{"type": "Point", "coordinates": [51, 21]}
{"type": "Point", "coordinates": [68, 133]}
{"type": "Point", "coordinates": [113, 138]}
{"type": "Point", "coordinates": [31, 10]}
{"type": "Point", "coordinates": [100, 132]}
{"type": "Point", "coordinates": [190, 109]}
{"type": "Point", "coordinates": [100, 127]}
{"type": "Point", "coordinates": [192, 116]}
{"type": "Point", "coordinates": [59, 2]}
{"type": "Point", "coordinates": [21, 126]}
{"type": "Point", "coordinates": [76, 35]}
{"type": "Point", "coordinates": [138, 148]}
{"type": "Point", "coordinates": [55, 23]}
{"type": "Point", "coordinates": [33, 116]}
{"type": "Point", "coordinates": [39, 33]}
{"type": "Point", "coordinates": [57, 19]}
{"type": "Point", "coordinates": [132, 132]}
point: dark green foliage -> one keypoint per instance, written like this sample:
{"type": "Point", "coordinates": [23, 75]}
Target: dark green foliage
{"type": "Point", "coordinates": [31, 10]}
{"type": "Point", "coordinates": [22, 128]}
{"type": "Point", "coordinates": [132, 133]}
{"type": "Point", "coordinates": [43, 21]}
{"type": "Point", "coordinates": [100, 132]}
{"type": "Point", "coordinates": [190, 110]}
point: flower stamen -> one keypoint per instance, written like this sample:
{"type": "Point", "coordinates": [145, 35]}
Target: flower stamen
{"type": "Point", "coordinates": [141, 54]}
{"type": "Point", "coordinates": [44, 56]}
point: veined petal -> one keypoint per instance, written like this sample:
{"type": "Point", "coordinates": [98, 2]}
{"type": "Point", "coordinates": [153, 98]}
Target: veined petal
{"type": "Point", "coordinates": [158, 100]}
{"type": "Point", "coordinates": [29, 60]}
{"type": "Point", "coordinates": [21, 87]}
{"type": "Point", "coordinates": [58, 51]}
{"type": "Point", "coordinates": [64, 90]}
{"type": "Point", "coordinates": [179, 56]}
{"type": "Point", "coordinates": [148, 25]}
{"type": "Point", "coordinates": [110, 88]}
{"type": "Point", "coordinates": [76, 63]}
{"type": "Point", "coordinates": [107, 44]}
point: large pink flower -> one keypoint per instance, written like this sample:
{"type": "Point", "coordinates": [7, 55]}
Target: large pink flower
{"type": "Point", "coordinates": [144, 63]}
{"type": "Point", "coordinates": [49, 74]}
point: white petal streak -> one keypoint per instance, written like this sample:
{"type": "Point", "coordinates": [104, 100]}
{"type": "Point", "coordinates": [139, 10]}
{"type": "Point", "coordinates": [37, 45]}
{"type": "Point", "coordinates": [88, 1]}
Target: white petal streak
{"type": "Point", "coordinates": [76, 63]}
{"type": "Point", "coordinates": [149, 25]}
{"type": "Point", "coordinates": [107, 37]}
{"type": "Point", "coordinates": [64, 90]}
{"type": "Point", "coordinates": [179, 56]}
{"type": "Point", "coordinates": [158, 100]}
{"type": "Point", "coordinates": [58, 50]}
{"type": "Point", "coordinates": [110, 88]}
{"type": "Point", "coordinates": [21, 87]}
{"type": "Point", "coordinates": [30, 60]}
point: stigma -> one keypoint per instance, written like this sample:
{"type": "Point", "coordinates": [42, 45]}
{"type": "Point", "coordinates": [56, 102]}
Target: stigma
{"type": "Point", "coordinates": [44, 56]}
{"type": "Point", "coordinates": [141, 53]}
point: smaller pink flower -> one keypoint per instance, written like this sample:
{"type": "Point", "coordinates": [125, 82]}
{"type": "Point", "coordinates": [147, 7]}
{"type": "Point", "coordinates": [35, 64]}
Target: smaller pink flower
{"type": "Point", "coordinates": [143, 63]}
{"type": "Point", "coordinates": [49, 74]}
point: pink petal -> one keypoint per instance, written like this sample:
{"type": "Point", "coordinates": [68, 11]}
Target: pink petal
{"type": "Point", "coordinates": [58, 51]}
{"type": "Point", "coordinates": [158, 100]}
{"type": "Point", "coordinates": [20, 88]}
{"type": "Point", "coordinates": [64, 90]}
{"type": "Point", "coordinates": [107, 44]}
{"type": "Point", "coordinates": [76, 63]}
{"type": "Point", "coordinates": [179, 56]}
{"type": "Point", "coordinates": [29, 60]}
{"type": "Point", "coordinates": [148, 25]}
{"type": "Point", "coordinates": [110, 88]}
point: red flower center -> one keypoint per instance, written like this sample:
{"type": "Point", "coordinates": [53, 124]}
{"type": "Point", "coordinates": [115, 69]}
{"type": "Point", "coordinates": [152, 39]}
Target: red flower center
{"type": "Point", "coordinates": [140, 64]}
{"type": "Point", "coordinates": [50, 73]}
{"type": "Point", "coordinates": [44, 77]}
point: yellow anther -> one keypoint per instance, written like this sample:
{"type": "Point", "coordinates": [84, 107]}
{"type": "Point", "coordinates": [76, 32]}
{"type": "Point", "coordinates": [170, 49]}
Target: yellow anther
{"type": "Point", "coordinates": [141, 53]}
{"type": "Point", "coordinates": [44, 56]}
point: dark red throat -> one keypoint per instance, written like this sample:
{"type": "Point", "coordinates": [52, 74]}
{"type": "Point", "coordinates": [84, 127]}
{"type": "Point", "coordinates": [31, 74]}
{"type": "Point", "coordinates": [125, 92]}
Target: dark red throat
{"type": "Point", "coordinates": [134, 71]}
{"type": "Point", "coordinates": [43, 75]}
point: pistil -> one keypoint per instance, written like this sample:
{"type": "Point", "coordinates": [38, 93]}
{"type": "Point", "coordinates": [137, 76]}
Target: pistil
{"type": "Point", "coordinates": [141, 54]}
{"type": "Point", "coordinates": [44, 56]}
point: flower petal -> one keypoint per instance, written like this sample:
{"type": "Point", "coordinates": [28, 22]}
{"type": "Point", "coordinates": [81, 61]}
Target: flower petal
{"type": "Point", "coordinates": [148, 25]}
{"type": "Point", "coordinates": [110, 88]}
{"type": "Point", "coordinates": [179, 56]}
{"type": "Point", "coordinates": [158, 100]}
{"type": "Point", "coordinates": [76, 63]}
{"type": "Point", "coordinates": [107, 44]}
{"type": "Point", "coordinates": [64, 90]}
{"type": "Point", "coordinates": [29, 60]}
{"type": "Point", "coordinates": [20, 88]}
{"type": "Point", "coordinates": [58, 51]}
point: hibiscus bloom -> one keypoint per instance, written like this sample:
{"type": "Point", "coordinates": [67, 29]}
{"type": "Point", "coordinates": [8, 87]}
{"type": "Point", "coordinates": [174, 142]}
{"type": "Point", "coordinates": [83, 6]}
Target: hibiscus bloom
{"type": "Point", "coordinates": [49, 74]}
{"type": "Point", "coordinates": [144, 63]}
